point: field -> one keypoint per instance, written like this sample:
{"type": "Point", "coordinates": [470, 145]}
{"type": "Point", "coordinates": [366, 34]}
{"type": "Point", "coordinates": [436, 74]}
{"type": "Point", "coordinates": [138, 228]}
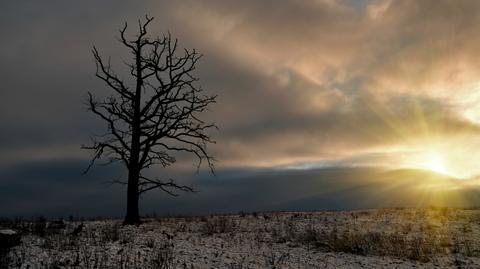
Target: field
{"type": "Point", "coordinates": [383, 238]}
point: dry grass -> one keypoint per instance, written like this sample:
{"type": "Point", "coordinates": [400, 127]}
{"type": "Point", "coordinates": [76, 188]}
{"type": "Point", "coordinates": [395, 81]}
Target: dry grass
{"type": "Point", "coordinates": [260, 240]}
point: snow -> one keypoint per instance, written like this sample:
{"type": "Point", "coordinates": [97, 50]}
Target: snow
{"type": "Point", "coordinates": [8, 232]}
{"type": "Point", "coordinates": [384, 238]}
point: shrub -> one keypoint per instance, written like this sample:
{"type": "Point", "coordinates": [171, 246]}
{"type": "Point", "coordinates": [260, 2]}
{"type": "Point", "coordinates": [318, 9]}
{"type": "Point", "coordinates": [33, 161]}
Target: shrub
{"type": "Point", "coordinates": [39, 227]}
{"type": "Point", "coordinates": [162, 256]}
{"type": "Point", "coordinates": [110, 233]}
{"type": "Point", "coordinates": [216, 225]}
{"type": "Point", "coordinates": [8, 239]}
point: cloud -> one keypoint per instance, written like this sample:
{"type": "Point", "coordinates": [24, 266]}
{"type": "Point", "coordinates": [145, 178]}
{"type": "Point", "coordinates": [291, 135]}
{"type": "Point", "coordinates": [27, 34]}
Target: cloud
{"type": "Point", "coordinates": [300, 82]}
{"type": "Point", "coordinates": [297, 80]}
{"type": "Point", "coordinates": [56, 189]}
{"type": "Point", "coordinates": [321, 78]}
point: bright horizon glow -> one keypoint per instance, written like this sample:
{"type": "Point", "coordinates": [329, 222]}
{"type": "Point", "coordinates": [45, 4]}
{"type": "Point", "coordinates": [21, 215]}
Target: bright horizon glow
{"type": "Point", "coordinates": [450, 158]}
{"type": "Point", "coordinates": [435, 162]}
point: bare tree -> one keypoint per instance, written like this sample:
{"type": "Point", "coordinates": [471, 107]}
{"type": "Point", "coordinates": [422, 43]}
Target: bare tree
{"type": "Point", "coordinates": [155, 116]}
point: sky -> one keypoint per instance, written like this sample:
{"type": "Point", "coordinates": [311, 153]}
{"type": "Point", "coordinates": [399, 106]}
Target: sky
{"type": "Point", "coordinates": [304, 88]}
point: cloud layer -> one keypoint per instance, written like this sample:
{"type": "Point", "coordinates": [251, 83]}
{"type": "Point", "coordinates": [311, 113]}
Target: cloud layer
{"type": "Point", "coordinates": [301, 84]}
{"type": "Point", "coordinates": [324, 80]}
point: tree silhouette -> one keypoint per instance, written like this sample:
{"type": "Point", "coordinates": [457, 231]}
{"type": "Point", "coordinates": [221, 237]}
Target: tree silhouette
{"type": "Point", "coordinates": [154, 117]}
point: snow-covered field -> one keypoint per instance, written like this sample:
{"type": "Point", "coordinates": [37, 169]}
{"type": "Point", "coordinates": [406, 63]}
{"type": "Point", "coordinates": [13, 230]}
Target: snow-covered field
{"type": "Point", "coordinates": [385, 238]}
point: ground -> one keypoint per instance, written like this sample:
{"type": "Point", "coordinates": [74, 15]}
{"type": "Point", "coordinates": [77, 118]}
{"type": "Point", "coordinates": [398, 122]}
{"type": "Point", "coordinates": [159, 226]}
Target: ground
{"type": "Point", "coordinates": [381, 238]}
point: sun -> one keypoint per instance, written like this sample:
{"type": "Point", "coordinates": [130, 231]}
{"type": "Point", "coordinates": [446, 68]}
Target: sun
{"type": "Point", "coordinates": [435, 161]}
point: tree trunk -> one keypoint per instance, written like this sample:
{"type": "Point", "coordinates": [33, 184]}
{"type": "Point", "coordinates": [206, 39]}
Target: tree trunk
{"type": "Point", "coordinates": [132, 216]}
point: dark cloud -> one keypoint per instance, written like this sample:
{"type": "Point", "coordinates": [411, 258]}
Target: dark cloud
{"type": "Point", "coordinates": [56, 188]}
